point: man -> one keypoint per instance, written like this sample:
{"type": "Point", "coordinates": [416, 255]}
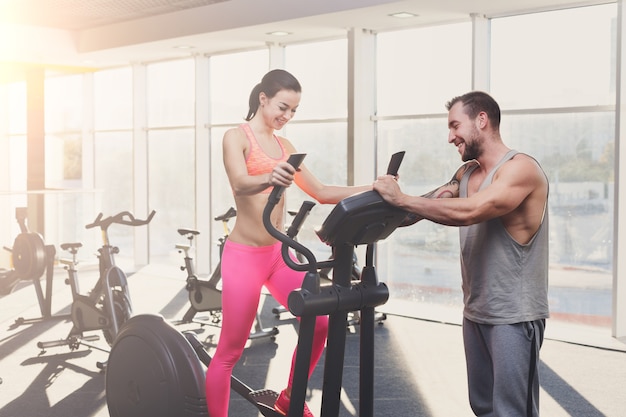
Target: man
{"type": "Point", "coordinates": [498, 198]}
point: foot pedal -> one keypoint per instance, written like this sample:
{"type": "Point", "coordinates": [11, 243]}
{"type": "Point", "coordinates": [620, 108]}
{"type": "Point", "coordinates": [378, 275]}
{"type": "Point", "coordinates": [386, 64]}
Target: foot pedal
{"type": "Point", "coordinates": [270, 332]}
{"type": "Point", "coordinates": [264, 400]}
{"type": "Point", "coordinates": [53, 343]}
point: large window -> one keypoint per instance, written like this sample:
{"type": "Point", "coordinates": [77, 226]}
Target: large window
{"type": "Point", "coordinates": [418, 70]}
{"type": "Point", "coordinates": [113, 150]}
{"type": "Point", "coordinates": [14, 154]}
{"type": "Point", "coordinates": [67, 207]}
{"type": "Point", "coordinates": [64, 122]}
{"type": "Point", "coordinates": [171, 151]}
{"type": "Point", "coordinates": [171, 93]}
{"type": "Point", "coordinates": [564, 58]}
{"type": "Point", "coordinates": [114, 178]}
{"type": "Point", "coordinates": [319, 128]}
{"type": "Point", "coordinates": [576, 151]}
{"type": "Point", "coordinates": [535, 85]}
{"type": "Point", "coordinates": [113, 99]}
{"type": "Point", "coordinates": [16, 100]}
{"type": "Point", "coordinates": [325, 84]}
{"type": "Point", "coordinates": [565, 68]}
{"type": "Point", "coordinates": [414, 81]}
{"type": "Point", "coordinates": [64, 103]}
{"type": "Point", "coordinates": [420, 263]}
{"type": "Point", "coordinates": [171, 187]}
{"type": "Point", "coordinates": [232, 78]}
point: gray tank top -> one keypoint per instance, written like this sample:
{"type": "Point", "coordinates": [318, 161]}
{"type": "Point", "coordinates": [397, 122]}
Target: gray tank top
{"type": "Point", "coordinates": [504, 282]}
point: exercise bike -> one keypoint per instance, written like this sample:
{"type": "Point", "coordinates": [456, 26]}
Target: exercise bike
{"type": "Point", "coordinates": [204, 295]}
{"type": "Point", "coordinates": [158, 371]}
{"type": "Point", "coordinates": [108, 305]}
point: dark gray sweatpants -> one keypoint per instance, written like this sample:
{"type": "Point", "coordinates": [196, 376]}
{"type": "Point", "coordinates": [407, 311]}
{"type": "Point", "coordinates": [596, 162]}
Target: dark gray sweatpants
{"type": "Point", "coordinates": [502, 368]}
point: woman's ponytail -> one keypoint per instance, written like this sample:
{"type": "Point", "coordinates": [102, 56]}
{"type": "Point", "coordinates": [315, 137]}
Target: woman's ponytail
{"type": "Point", "coordinates": [254, 102]}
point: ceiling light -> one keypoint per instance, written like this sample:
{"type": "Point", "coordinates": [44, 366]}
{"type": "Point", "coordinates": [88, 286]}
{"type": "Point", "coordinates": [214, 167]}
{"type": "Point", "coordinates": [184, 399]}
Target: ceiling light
{"type": "Point", "coordinates": [403, 15]}
{"type": "Point", "coordinates": [183, 47]}
{"type": "Point", "coordinates": [278, 33]}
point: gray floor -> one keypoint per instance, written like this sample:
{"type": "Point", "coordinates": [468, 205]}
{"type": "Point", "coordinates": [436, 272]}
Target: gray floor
{"type": "Point", "coordinates": [419, 364]}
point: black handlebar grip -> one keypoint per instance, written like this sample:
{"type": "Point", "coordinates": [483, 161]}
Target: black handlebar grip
{"type": "Point", "coordinates": [305, 208]}
{"type": "Point", "coordinates": [295, 159]}
{"type": "Point", "coordinates": [394, 163]}
{"type": "Point", "coordinates": [95, 222]}
{"type": "Point", "coordinates": [152, 213]}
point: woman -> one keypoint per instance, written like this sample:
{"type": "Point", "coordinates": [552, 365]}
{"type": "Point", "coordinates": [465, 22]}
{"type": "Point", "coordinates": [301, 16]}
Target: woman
{"type": "Point", "coordinates": [255, 161]}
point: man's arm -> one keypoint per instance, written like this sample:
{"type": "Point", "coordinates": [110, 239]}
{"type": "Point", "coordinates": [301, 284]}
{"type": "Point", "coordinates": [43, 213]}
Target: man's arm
{"type": "Point", "coordinates": [448, 190]}
{"type": "Point", "coordinates": [514, 182]}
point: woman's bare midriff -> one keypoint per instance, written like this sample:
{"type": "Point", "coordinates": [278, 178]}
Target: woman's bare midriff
{"type": "Point", "coordinates": [249, 228]}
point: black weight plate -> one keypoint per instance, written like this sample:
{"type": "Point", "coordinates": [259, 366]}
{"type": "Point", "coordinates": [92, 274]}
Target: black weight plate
{"type": "Point", "coordinates": [29, 255]}
{"type": "Point", "coordinates": [153, 371]}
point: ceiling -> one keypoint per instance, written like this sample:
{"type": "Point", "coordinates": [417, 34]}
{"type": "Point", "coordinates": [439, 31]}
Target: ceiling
{"type": "Point", "coordinates": [80, 35]}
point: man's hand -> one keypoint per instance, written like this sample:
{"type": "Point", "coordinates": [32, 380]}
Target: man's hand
{"type": "Point", "coordinates": [388, 188]}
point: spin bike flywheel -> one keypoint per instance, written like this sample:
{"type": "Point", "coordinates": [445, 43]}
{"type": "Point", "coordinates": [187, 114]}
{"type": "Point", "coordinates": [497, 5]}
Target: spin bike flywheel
{"type": "Point", "coordinates": [29, 255]}
{"type": "Point", "coordinates": [121, 306]}
{"type": "Point", "coordinates": [152, 370]}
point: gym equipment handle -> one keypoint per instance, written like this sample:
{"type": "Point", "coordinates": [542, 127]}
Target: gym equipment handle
{"type": "Point", "coordinates": [301, 215]}
{"type": "Point", "coordinates": [292, 232]}
{"type": "Point", "coordinates": [295, 159]}
{"type": "Point", "coordinates": [124, 217]}
{"type": "Point", "coordinates": [394, 163]}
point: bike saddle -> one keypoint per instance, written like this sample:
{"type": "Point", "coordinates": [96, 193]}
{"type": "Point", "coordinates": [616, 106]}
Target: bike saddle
{"type": "Point", "coordinates": [184, 232]}
{"type": "Point", "coordinates": [70, 246]}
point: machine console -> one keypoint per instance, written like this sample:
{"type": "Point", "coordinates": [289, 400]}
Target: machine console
{"type": "Point", "coordinates": [363, 218]}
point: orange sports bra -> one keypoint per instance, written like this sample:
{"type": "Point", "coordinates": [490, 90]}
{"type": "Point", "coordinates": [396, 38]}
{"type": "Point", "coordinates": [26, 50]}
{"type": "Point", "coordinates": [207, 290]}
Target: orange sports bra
{"type": "Point", "coordinates": [258, 162]}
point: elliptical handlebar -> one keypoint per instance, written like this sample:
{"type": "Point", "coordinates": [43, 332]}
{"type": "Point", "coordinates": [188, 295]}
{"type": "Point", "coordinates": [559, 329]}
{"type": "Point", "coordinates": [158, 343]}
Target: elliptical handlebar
{"type": "Point", "coordinates": [288, 242]}
{"type": "Point", "coordinates": [299, 218]}
{"type": "Point", "coordinates": [295, 160]}
{"type": "Point", "coordinates": [394, 163]}
{"type": "Point", "coordinates": [123, 217]}
{"type": "Point", "coordinates": [293, 230]}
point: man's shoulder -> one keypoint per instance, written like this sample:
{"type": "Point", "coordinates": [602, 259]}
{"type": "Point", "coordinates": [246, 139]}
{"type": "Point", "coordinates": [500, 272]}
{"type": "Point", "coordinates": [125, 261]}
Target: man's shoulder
{"type": "Point", "coordinates": [467, 166]}
{"type": "Point", "coordinates": [525, 158]}
{"type": "Point", "coordinates": [527, 164]}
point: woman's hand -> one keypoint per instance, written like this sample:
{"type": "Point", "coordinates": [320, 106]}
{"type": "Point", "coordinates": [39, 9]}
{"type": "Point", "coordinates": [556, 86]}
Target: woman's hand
{"type": "Point", "coordinates": [282, 175]}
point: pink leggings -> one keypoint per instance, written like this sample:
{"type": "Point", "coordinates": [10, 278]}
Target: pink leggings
{"type": "Point", "coordinates": [245, 270]}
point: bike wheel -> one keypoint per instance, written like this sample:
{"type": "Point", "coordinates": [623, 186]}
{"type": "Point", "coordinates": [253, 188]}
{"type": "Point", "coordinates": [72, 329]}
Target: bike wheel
{"type": "Point", "coordinates": [123, 311]}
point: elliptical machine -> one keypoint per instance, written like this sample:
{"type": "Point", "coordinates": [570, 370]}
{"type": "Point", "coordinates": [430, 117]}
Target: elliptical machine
{"type": "Point", "coordinates": [364, 218]}
{"type": "Point", "coordinates": [155, 370]}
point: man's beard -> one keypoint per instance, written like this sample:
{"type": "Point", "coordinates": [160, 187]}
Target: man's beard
{"type": "Point", "coordinates": [473, 148]}
{"type": "Point", "coordinates": [471, 151]}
